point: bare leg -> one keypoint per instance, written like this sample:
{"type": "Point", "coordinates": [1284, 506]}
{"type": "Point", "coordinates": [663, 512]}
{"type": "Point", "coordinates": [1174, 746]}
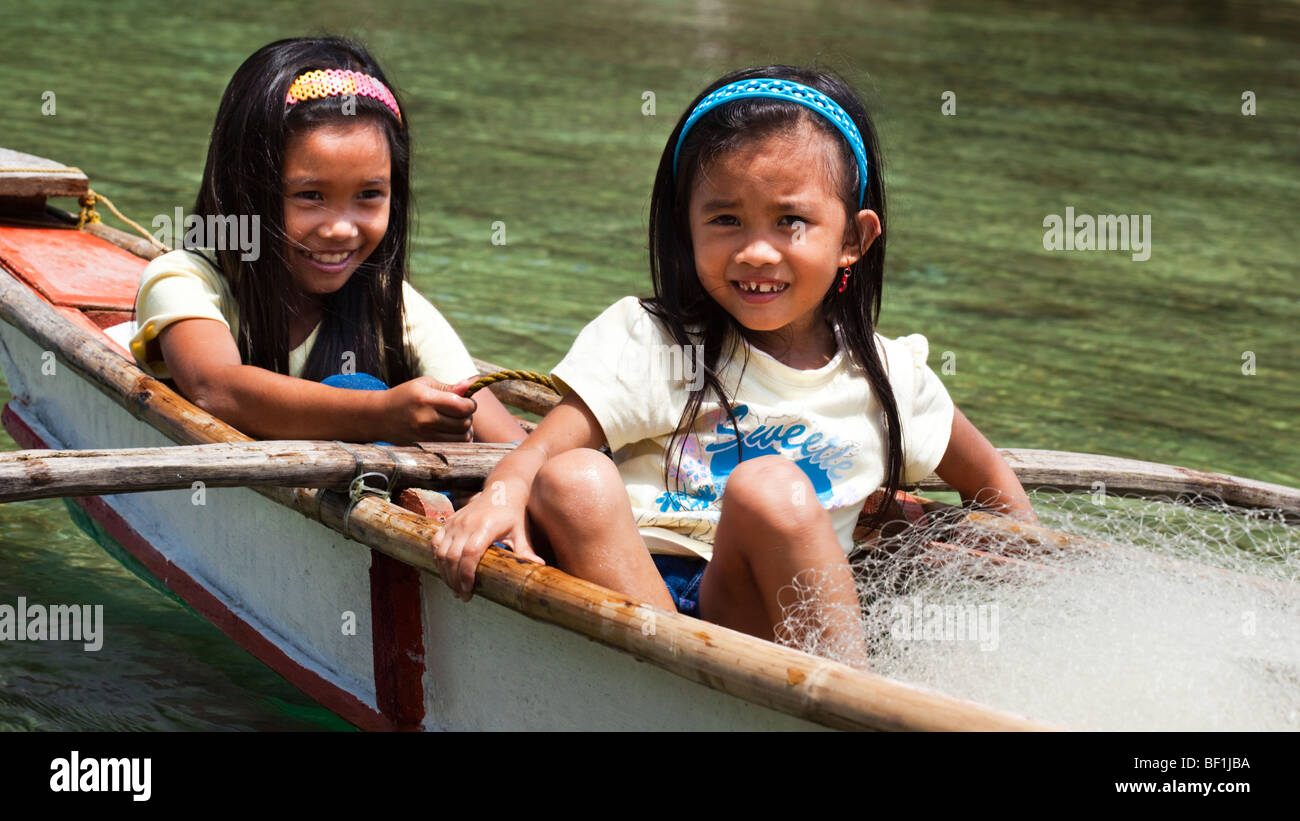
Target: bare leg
{"type": "Point", "coordinates": [579, 502]}
{"type": "Point", "coordinates": [772, 530]}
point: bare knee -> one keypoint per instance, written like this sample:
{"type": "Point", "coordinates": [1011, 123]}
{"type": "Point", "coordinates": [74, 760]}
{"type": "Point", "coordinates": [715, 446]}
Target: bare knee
{"type": "Point", "coordinates": [773, 491]}
{"type": "Point", "coordinates": [771, 517]}
{"type": "Point", "coordinates": [580, 484]}
{"type": "Point", "coordinates": [579, 503]}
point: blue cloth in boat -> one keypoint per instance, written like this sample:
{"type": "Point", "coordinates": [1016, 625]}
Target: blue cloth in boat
{"type": "Point", "coordinates": [355, 382]}
{"type": "Point", "coordinates": [682, 575]}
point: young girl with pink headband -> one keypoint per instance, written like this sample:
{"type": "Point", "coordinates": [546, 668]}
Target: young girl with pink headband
{"type": "Point", "coordinates": [750, 405]}
{"type": "Point", "coordinates": [312, 144]}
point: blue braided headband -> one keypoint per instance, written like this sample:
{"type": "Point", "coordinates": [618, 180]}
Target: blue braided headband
{"type": "Point", "coordinates": [790, 92]}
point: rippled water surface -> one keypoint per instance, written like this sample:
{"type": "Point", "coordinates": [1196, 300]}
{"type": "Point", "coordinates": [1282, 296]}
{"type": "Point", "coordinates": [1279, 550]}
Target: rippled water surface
{"type": "Point", "coordinates": [532, 114]}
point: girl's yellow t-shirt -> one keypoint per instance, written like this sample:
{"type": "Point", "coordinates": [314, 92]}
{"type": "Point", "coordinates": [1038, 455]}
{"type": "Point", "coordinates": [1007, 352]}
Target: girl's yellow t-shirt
{"type": "Point", "coordinates": [627, 370]}
{"type": "Point", "coordinates": [183, 285]}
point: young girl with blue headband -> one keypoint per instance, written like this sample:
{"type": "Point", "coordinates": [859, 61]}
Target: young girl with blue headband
{"type": "Point", "coordinates": [750, 406]}
{"type": "Point", "coordinates": [313, 145]}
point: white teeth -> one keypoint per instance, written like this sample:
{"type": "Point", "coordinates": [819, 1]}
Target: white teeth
{"type": "Point", "coordinates": [762, 287]}
{"type": "Point", "coordinates": [330, 259]}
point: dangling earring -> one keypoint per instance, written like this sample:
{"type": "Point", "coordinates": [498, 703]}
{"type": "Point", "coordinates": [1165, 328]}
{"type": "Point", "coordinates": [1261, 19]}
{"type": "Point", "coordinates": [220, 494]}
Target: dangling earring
{"type": "Point", "coordinates": [844, 282]}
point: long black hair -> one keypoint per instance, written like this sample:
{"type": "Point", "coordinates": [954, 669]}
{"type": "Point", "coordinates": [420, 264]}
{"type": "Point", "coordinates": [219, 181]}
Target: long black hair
{"type": "Point", "coordinates": [244, 175]}
{"type": "Point", "coordinates": [681, 302]}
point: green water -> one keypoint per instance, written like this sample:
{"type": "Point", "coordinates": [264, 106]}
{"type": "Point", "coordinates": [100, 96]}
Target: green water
{"type": "Point", "coordinates": [531, 114]}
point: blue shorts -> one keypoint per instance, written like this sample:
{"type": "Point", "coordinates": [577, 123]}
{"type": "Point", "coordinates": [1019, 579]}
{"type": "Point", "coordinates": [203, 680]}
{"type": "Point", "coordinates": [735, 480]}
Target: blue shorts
{"type": "Point", "coordinates": [682, 575]}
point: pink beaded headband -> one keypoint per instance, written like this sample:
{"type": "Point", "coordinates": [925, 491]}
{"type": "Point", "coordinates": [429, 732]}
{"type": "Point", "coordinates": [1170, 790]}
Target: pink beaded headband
{"type": "Point", "coordinates": [332, 82]}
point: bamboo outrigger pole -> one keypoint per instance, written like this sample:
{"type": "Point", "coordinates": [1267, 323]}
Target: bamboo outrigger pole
{"type": "Point", "coordinates": [42, 474]}
{"type": "Point", "coordinates": [1059, 470]}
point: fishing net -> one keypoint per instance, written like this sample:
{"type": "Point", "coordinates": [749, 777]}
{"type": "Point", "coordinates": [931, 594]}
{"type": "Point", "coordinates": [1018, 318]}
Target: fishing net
{"type": "Point", "coordinates": [1160, 615]}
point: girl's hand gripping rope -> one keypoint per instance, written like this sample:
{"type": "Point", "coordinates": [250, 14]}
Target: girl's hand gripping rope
{"type": "Point", "coordinates": [426, 410]}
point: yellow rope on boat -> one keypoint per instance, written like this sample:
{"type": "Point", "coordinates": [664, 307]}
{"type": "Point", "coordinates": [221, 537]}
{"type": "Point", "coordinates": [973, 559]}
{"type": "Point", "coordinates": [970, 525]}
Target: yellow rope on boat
{"type": "Point", "coordinates": [87, 201]}
{"type": "Point", "coordinates": [501, 376]}
{"type": "Point", "coordinates": [89, 214]}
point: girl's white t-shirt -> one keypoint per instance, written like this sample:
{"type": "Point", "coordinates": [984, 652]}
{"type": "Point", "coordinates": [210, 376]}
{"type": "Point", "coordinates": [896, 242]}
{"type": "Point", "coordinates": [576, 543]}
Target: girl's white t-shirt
{"type": "Point", "coordinates": [636, 381]}
{"type": "Point", "coordinates": [183, 285]}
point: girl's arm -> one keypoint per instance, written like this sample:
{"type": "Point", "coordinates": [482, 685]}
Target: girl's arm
{"type": "Point", "coordinates": [205, 364]}
{"type": "Point", "coordinates": [974, 468]}
{"type": "Point", "coordinates": [492, 421]}
{"type": "Point", "coordinates": [499, 513]}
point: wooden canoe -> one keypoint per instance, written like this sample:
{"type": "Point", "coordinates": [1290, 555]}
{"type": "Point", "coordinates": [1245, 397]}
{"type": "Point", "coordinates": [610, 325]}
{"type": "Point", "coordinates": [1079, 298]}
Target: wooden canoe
{"type": "Point", "coordinates": [273, 568]}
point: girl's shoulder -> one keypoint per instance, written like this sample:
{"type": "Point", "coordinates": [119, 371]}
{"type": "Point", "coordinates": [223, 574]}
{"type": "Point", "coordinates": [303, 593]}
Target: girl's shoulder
{"type": "Point", "coordinates": [424, 322]}
{"type": "Point", "coordinates": [622, 342]}
{"type": "Point", "coordinates": [413, 301]}
{"type": "Point", "coordinates": [629, 318]}
{"type": "Point", "coordinates": [913, 349]}
{"type": "Point", "coordinates": [627, 309]}
{"type": "Point", "coordinates": [905, 361]}
{"type": "Point", "coordinates": [176, 286]}
{"type": "Point", "coordinates": [190, 264]}
{"type": "Point", "coordinates": [439, 350]}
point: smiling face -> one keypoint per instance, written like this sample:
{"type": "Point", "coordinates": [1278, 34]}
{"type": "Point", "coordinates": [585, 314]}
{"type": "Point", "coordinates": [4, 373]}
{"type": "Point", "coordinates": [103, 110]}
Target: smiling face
{"type": "Point", "coordinates": [336, 200]}
{"type": "Point", "coordinates": [768, 232]}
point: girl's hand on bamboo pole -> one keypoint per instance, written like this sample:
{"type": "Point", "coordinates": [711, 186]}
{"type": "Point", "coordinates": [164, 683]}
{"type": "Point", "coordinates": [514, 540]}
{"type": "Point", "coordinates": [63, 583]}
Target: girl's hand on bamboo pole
{"type": "Point", "coordinates": [498, 514]}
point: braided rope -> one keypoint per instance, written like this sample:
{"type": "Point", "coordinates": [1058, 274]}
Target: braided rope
{"type": "Point", "coordinates": [502, 376]}
{"type": "Point", "coordinates": [88, 201]}
{"type": "Point", "coordinates": [88, 214]}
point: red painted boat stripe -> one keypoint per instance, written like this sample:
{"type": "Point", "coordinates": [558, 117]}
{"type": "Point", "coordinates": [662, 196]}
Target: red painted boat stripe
{"type": "Point", "coordinates": [398, 640]}
{"type": "Point", "coordinates": [329, 694]}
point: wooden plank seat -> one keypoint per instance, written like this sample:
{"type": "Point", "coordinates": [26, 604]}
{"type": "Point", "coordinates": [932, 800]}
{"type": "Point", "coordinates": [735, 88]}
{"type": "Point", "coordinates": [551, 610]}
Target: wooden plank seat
{"type": "Point", "coordinates": [71, 268]}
